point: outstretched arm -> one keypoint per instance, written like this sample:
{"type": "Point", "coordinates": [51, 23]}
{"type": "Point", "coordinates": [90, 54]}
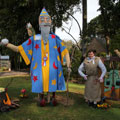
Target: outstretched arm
{"type": "Point", "coordinates": [6, 43]}
{"type": "Point", "coordinates": [68, 60]}
{"type": "Point", "coordinates": [12, 47]}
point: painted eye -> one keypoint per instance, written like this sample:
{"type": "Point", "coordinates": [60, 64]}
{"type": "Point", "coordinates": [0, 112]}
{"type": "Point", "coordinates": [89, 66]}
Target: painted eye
{"type": "Point", "coordinates": [42, 20]}
{"type": "Point", "coordinates": [47, 19]}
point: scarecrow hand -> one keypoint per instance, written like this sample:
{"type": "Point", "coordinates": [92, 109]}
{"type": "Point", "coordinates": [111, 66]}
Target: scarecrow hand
{"type": "Point", "coordinates": [69, 69]}
{"type": "Point", "coordinates": [4, 41]}
{"type": "Point", "coordinates": [101, 80]}
{"type": "Point", "coordinates": [116, 50]}
{"type": "Point", "coordinates": [85, 77]}
{"type": "Point", "coordinates": [28, 25]}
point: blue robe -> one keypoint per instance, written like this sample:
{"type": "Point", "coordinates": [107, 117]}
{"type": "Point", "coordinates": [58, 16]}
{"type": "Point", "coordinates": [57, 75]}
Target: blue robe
{"type": "Point", "coordinates": [46, 63]}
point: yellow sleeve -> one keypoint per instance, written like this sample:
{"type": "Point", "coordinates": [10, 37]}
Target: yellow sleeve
{"type": "Point", "coordinates": [23, 54]}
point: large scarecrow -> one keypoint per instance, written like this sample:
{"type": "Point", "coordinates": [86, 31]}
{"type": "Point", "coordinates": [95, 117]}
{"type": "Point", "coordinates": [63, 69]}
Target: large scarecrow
{"type": "Point", "coordinates": [45, 53]}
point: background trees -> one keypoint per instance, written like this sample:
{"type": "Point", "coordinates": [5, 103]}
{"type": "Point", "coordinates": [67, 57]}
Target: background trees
{"type": "Point", "coordinates": [107, 23]}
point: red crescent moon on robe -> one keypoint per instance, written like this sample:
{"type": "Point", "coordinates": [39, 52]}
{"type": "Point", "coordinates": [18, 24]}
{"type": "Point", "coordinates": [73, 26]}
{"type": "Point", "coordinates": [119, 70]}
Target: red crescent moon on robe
{"type": "Point", "coordinates": [58, 49]}
{"type": "Point", "coordinates": [29, 42]}
{"type": "Point", "coordinates": [54, 66]}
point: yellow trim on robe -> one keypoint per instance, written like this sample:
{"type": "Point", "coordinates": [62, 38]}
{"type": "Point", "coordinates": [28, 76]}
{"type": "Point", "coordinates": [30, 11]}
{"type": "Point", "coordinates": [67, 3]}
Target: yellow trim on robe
{"type": "Point", "coordinates": [34, 37]}
{"type": "Point", "coordinates": [23, 54]}
{"type": "Point", "coordinates": [32, 58]}
{"type": "Point", "coordinates": [58, 58]}
{"type": "Point", "coordinates": [64, 52]}
{"type": "Point", "coordinates": [45, 69]}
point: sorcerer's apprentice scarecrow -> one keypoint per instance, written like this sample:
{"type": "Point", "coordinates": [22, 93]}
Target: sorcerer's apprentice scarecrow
{"type": "Point", "coordinates": [89, 71]}
{"type": "Point", "coordinates": [45, 53]}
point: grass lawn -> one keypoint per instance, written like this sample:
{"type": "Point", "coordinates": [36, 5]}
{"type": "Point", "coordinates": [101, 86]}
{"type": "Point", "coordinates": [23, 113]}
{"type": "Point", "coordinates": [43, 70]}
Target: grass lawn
{"type": "Point", "coordinates": [30, 111]}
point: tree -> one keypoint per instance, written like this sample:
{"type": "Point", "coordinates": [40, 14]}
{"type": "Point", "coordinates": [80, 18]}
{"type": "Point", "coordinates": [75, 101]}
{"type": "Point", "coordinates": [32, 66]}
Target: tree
{"type": "Point", "coordinates": [107, 24]}
{"type": "Point", "coordinates": [95, 27]}
{"type": "Point", "coordinates": [115, 42]}
{"type": "Point", "coordinates": [109, 16]}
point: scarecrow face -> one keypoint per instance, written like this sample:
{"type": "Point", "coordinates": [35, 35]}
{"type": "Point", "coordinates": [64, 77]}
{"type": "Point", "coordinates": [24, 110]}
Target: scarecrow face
{"type": "Point", "coordinates": [91, 54]}
{"type": "Point", "coordinates": [44, 19]}
{"type": "Point", "coordinates": [44, 27]}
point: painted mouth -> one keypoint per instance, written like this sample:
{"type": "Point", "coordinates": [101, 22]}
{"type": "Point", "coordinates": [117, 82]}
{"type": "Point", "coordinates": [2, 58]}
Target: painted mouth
{"type": "Point", "coordinates": [45, 26]}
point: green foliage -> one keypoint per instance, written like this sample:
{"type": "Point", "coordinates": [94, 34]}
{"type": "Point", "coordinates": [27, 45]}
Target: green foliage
{"type": "Point", "coordinates": [68, 44]}
{"type": "Point", "coordinates": [95, 27]}
{"type": "Point", "coordinates": [107, 24]}
{"type": "Point", "coordinates": [102, 54]}
{"type": "Point", "coordinates": [115, 42]}
{"type": "Point", "coordinates": [76, 60]}
{"type": "Point", "coordinates": [110, 15]}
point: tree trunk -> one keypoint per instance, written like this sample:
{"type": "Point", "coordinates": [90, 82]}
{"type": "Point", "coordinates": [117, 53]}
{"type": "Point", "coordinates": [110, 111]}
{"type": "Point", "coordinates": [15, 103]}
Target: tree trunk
{"type": "Point", "coordinates": [84, 29]}
{"type": "Point", "coordinates": [84, 4]}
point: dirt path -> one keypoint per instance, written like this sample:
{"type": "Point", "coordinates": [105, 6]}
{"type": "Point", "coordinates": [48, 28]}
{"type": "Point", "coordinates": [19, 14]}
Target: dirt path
{"type": "Point", "coordinates": [13, 73]}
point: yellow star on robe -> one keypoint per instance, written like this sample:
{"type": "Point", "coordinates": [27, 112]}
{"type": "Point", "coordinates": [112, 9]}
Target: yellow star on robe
{"type": "Point", "coordinates": [54, 82]}
{"type": "Point", "coordinates": [30, 52]}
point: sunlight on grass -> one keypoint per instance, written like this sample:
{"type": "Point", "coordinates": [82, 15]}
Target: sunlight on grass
{"type": "Point", "coordinates": [76, 88]}
{"type": "Point", "coordinates": [73, 85]}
